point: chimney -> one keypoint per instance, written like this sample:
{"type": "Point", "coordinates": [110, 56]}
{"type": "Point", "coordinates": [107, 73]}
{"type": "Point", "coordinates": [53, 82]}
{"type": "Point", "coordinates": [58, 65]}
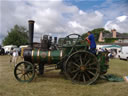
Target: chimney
{"type": "Point", "coordinates": [113, 33]}
{"type": "Point", "coordinates": [55, 40]}
{"type": "Point", "coordinates": [31, 32]}
{"type": "Point", "coordinates": [101, 37]}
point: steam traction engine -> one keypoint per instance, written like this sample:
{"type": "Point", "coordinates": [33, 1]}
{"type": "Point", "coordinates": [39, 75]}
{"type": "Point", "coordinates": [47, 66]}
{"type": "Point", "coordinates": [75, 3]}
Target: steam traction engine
{"type": "Point", "coordinates": [72, 57]}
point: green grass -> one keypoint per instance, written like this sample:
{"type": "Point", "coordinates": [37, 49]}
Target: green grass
{"type": "Point", "coordinates": [53, 84]}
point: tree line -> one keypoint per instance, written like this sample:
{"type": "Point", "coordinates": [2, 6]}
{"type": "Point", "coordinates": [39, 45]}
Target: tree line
{"type": "Point", "coordinates": [18, 35]}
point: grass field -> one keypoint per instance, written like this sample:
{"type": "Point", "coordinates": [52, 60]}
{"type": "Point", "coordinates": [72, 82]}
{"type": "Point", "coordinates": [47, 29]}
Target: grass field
{"type": "Point", "coordinates": [53, 84]}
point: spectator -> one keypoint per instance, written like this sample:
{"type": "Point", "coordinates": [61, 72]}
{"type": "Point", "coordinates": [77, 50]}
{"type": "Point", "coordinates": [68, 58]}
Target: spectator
{"type": "Point", "coordinates": [101, 50]}
{"type": "Point", "coordinates": [15, 57]}
{"type": "Point", "coordinates": [2, 51]}
{"type": "Point", "coordinates": [10, 53]}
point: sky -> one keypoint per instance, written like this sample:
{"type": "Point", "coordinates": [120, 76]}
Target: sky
{"type": "Point", "coordinates": [62, 17]}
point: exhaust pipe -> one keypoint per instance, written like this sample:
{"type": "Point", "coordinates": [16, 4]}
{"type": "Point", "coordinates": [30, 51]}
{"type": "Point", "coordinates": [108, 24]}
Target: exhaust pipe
{"type": "Point", "coordinates": [31, 32]}
{"type": "Point", "coordinates": [55, 40]}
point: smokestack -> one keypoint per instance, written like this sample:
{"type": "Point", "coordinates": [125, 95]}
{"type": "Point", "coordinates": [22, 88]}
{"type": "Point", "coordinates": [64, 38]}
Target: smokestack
{"type": "Point", "coordinates": [113, 33]}
{"type": "Point", "coordinates": [31, 32]}
{"type": "Point", "coordinates": [55, 40]}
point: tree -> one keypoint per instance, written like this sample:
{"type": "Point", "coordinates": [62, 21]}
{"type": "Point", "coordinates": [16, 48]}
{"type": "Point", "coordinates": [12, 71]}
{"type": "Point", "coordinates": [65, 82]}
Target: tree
{"type": "Point", "coordinates": [96, 33]}
{"type": "Point", "coordinates": [16, 36]}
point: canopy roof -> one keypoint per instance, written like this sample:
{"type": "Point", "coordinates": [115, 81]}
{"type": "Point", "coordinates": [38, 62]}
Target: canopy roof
{"type": "Point", "coordinates": [112, 46]}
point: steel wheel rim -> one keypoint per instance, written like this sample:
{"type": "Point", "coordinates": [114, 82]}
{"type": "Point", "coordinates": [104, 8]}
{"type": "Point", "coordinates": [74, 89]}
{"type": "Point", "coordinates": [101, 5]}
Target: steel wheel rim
{"type": "Point", "coordinates": [83, 74]}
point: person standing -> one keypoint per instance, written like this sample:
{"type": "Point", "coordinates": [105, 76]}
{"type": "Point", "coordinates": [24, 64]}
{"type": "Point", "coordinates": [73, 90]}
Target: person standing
{"type": "Point", "coordinates": [91, 41]}
{"type": "Point", "coordinates": [15, 57]}
{"type": "Point", "coordinates": [2, 52]}
{"type": "Point", "coordinates": [10, 54]}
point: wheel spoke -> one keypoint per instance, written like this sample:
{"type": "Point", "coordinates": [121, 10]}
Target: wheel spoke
{"type": "Point", "coordinates": [19, 69]}
{"type": "Point", "coordinates": [85, 56]}
{"type": "Point", "coordinates": [84, 78]}
{"type": "Point", "coordinates": [87, 62]}
{"type": "Point", "coordinates": [18, 73]}
{"type": "Point", "coordinates": [24, 66]}
{"type": "Point", "coordinates": [24, 77]}
{"type": "Point", "coordinates": [81, 63]}
{"type": "Point", "coordinates": [76, 64]}
{"type": "Point", "coordinates": [87, 75]}
{"type": "Point", "coordinates": [91, 68]}
{"type": "Point", "coordinates": [79, 76]}
{"type": "Point", "coordinates": [91, 73]}
{"type": "Point", "coordinates": [75, 75]}
{"type": "Point", "coordinates": [21, 76]}
{"type": "Point", "coordinates": [94, 63]}
{"type": "Point", "coordinates": [28, 76]}
{"type": "Point", "coordinates": [74, 71]}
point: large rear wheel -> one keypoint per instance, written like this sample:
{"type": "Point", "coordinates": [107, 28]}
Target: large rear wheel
{"type": "Point", "coordinates": [82, 67]}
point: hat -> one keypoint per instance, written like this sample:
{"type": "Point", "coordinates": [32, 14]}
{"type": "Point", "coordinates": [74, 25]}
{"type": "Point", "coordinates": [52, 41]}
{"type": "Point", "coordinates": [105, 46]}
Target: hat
{"type": "Point", "coordinates": [89, 31]}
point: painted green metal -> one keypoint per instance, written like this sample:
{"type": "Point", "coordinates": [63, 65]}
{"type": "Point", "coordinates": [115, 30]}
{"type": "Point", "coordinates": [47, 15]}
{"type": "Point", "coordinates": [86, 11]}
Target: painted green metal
{"type": "Point", "coordinates": [103, 61]}
{"type": "Point", "coordinates": [46, 56]}
{"type": "Point", "coordinates": [53, 57]}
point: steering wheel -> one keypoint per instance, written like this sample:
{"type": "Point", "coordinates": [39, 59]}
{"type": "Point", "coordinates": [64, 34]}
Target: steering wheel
{"type": "Point", "coordinates": [70, 42]}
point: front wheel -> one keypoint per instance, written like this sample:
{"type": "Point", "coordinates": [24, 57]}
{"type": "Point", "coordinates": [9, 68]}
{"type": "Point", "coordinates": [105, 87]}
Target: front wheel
{"type": "Point", "coordinates": [24, 71]}
{"type": "Point", "coordinates": [82, 67]}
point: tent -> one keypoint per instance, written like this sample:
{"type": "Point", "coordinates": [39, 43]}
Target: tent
{"type": "Point", "coordinates": [112, 46]}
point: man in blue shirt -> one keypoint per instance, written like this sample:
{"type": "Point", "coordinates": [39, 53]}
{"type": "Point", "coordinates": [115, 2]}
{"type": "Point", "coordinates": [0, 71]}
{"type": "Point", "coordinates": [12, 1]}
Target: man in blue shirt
{"type": "Point", "coordinates": [92, 42]}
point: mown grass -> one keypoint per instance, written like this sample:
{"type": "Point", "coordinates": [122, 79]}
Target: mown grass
{"type": "Point", "coordinates": [53, 84]}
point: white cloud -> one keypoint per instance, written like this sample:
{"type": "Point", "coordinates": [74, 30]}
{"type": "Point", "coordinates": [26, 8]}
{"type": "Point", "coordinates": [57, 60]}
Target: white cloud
{"type": "Point", "coordinates": [98, 13]}
{"type": "Point", "coordinates": [120, 24]}
{"type": "Point", "coordinates": [74, 24]}
{"type": "Point", "coordinates": [52, 17]}
{"type": "Point", "coordinates": [55, 17]}
{"type": "Point", "coordinates": [115, 14]}
{"type": "Point", "coordinates": [81, 12]}
{"type": "Point", "coordinates": [113, 8]}
{"type": "Point", "coordinates": [122, 18]}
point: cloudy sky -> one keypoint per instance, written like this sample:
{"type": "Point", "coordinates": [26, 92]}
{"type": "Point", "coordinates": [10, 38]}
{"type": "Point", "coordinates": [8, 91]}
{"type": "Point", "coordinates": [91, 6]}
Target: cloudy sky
{"type": "Point", "coordinates": [62, 17]}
